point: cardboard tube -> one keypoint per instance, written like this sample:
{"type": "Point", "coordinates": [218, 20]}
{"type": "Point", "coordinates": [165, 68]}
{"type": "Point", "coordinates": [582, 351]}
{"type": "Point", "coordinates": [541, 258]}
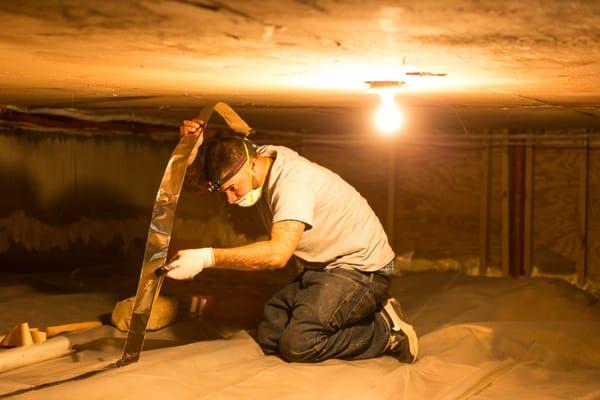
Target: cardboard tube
{"type": "Point", "coordinates": [25, 338]}
{"type": "Point", "coordinates": [19, 336]}
{"type": "Point", "coordinates": [204, 303]}
{"type": "Point", "coordinates": [56, 347]}
{"type": "Point", "coordinates": [194, 304]}
{"type": "Point", "coordinates": [201, 306]}
{"type": "Point", "coordinates": [78, 326]}
{"type": "Point", "coordinates": [20, 357]}
{"type": "Point", "coordinates": [37, 335]}
{"type": "Point", "coordinates": [6, 339]}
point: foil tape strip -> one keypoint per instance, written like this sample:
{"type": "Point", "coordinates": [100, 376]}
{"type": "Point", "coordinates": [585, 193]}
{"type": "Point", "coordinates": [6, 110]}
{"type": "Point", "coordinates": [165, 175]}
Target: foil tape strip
{"type": "Point", "coordinates": [161, 226]}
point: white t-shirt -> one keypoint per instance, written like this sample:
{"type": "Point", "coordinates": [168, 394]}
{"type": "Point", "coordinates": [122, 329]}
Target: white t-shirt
{"type": "Point", "coordinates": [341, 228]}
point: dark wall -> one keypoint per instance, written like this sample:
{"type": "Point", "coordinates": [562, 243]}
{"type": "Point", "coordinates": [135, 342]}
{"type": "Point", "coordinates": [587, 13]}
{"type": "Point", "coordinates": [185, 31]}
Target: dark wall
{"type": "Point", "coordinates": [92, 195]}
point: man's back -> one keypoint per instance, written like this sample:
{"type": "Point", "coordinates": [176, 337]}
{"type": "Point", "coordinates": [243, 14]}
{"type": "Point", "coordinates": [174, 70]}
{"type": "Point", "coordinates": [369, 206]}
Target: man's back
{"type": "Point", "coordinates": [341, 228]}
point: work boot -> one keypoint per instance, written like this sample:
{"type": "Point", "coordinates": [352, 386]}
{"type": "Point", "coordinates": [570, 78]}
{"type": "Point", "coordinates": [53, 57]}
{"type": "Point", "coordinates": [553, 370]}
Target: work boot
{"type": "Point", "coordinates": [403, 343]}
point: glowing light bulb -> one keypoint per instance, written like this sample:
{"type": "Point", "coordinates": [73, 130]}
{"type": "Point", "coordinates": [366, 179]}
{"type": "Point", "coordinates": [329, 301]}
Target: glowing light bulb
{"type": "Point", "coordinates": [388, 119]}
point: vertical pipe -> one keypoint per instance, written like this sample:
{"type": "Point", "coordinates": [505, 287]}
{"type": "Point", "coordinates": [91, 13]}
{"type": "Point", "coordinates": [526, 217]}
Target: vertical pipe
{"type": "Point", "coordinates": [529, 202]}
{"type": "Point", "coordinates": [391, 193]}
{"type": "Point", "coordinates": [486, 161]}
{"type": "Point", "coordinates": [517, 209]}
{"type": "Point", "coordinates": [505, 204]}
{"type": "Point", "coordinates": [75, 195]}
{"type": "Point", "coordinates": [582, 264]}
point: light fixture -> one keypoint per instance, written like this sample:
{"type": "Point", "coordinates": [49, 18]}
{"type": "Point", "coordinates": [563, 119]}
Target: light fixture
{"type": "Point", "coordinates": [389, 118]}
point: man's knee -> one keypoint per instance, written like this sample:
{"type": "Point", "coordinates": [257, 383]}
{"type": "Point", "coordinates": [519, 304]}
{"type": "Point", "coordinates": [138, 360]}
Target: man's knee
{"type": "Point", "coordinates": [296, 345]}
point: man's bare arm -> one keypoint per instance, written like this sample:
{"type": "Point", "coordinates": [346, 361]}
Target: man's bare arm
{"type": "Point", "coordinates": [270, 254]}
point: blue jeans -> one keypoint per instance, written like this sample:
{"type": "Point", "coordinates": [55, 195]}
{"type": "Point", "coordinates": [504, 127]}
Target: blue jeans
{"type": "Point", "coordinates": [326, 314]}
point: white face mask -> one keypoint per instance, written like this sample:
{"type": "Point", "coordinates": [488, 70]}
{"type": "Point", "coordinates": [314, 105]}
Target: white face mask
{"type": "Point", "coordinates": [250, 198]}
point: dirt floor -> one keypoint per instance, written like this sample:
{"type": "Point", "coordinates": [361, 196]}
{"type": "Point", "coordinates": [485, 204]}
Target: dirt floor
{"type": "Point", "coordinates": [481, 338]}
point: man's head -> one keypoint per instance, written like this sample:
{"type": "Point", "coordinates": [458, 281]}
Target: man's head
{"type": "Point", "coordinates": [229, 167]}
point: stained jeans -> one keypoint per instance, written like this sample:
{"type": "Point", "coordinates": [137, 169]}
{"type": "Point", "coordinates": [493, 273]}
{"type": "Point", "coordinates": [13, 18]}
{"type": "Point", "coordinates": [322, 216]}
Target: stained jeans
{"type": "Point", "coordinates": [326, 314]}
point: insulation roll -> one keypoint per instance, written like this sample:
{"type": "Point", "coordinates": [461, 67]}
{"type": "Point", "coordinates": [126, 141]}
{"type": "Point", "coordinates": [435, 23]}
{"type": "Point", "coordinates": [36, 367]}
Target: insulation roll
{"type": "Point", "coordinates": [22, 356]}
{"type": "Point", "coordinates": [55, 347]}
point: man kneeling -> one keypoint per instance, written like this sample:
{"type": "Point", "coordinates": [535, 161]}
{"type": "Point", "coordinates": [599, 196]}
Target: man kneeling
{"type": "Point", "coordinates": [338, 307]}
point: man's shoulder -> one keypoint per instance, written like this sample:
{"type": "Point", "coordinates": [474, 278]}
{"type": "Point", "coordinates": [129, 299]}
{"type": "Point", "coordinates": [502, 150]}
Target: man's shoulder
{"type": "Point", "coordinates": [270, 150]}
{"type": "Point", "coordinates": [283, 157]}
{"type": "Point", "coordinates": [288, 166]}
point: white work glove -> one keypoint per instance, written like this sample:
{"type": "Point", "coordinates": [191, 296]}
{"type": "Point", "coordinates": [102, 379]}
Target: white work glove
{"type": "Point", "coordinates": [188, 263]}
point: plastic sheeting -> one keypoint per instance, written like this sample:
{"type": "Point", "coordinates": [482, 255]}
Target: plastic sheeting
{"type": "Point", "coordinates": [481, 338]}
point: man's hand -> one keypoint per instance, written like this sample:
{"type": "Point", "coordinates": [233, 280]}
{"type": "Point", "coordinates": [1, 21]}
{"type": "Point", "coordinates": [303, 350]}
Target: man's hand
{"type": "Point", "coordinates": [188, 263]}
{"type": "Point", "coordinates": [192, 127]}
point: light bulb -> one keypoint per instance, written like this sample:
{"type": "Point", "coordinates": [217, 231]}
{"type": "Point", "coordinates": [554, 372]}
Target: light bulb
{"type": "Point", "coordinates": [388, 119]}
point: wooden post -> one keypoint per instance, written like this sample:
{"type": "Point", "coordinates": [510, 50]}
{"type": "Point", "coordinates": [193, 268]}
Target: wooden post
{"type": "Point", "coordinates": [584, 174]}
{"type": "Point", "coordinates": [486, 163]}
{"type": "Point", "coordinates": [529, 208]}
{"type": "Point", "coordinates": [516, 196]}
{"type": "Point", "coordinates": [505, 204]}
{"type": "Point", "coordinates": [391, 193]}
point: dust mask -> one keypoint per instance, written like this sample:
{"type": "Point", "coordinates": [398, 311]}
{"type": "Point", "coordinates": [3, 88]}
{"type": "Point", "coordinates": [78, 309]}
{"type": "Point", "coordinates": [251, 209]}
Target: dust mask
{"type": "Point", "coordinates": [250, 198]}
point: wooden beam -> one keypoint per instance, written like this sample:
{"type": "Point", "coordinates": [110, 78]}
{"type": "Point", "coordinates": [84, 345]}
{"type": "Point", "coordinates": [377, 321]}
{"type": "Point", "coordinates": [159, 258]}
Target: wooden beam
{"type": "Point", "coordinates": [529, 208]}
{"type": "Point", "coordinates": [584, 175]}
{"type": "Point", "coordinates": [505, 204]}
{"type": "Point", "coordinates": [486, 164]}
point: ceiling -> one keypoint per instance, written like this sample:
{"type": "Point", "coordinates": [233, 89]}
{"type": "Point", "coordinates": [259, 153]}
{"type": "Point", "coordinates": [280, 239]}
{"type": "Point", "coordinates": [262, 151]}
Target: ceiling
{"type": "Point", "coordinates": [303, 51]}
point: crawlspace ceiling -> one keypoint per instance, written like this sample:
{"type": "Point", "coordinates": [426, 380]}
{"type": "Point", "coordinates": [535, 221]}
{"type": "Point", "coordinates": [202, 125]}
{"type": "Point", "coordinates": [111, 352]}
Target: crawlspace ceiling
{"type": "Point", "coordinates": [272, 50]}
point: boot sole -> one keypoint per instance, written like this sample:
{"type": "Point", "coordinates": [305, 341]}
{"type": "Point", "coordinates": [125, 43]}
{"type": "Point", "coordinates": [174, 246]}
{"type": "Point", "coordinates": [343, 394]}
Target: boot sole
{"type": "Point", "coordinates": [393, 309]}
